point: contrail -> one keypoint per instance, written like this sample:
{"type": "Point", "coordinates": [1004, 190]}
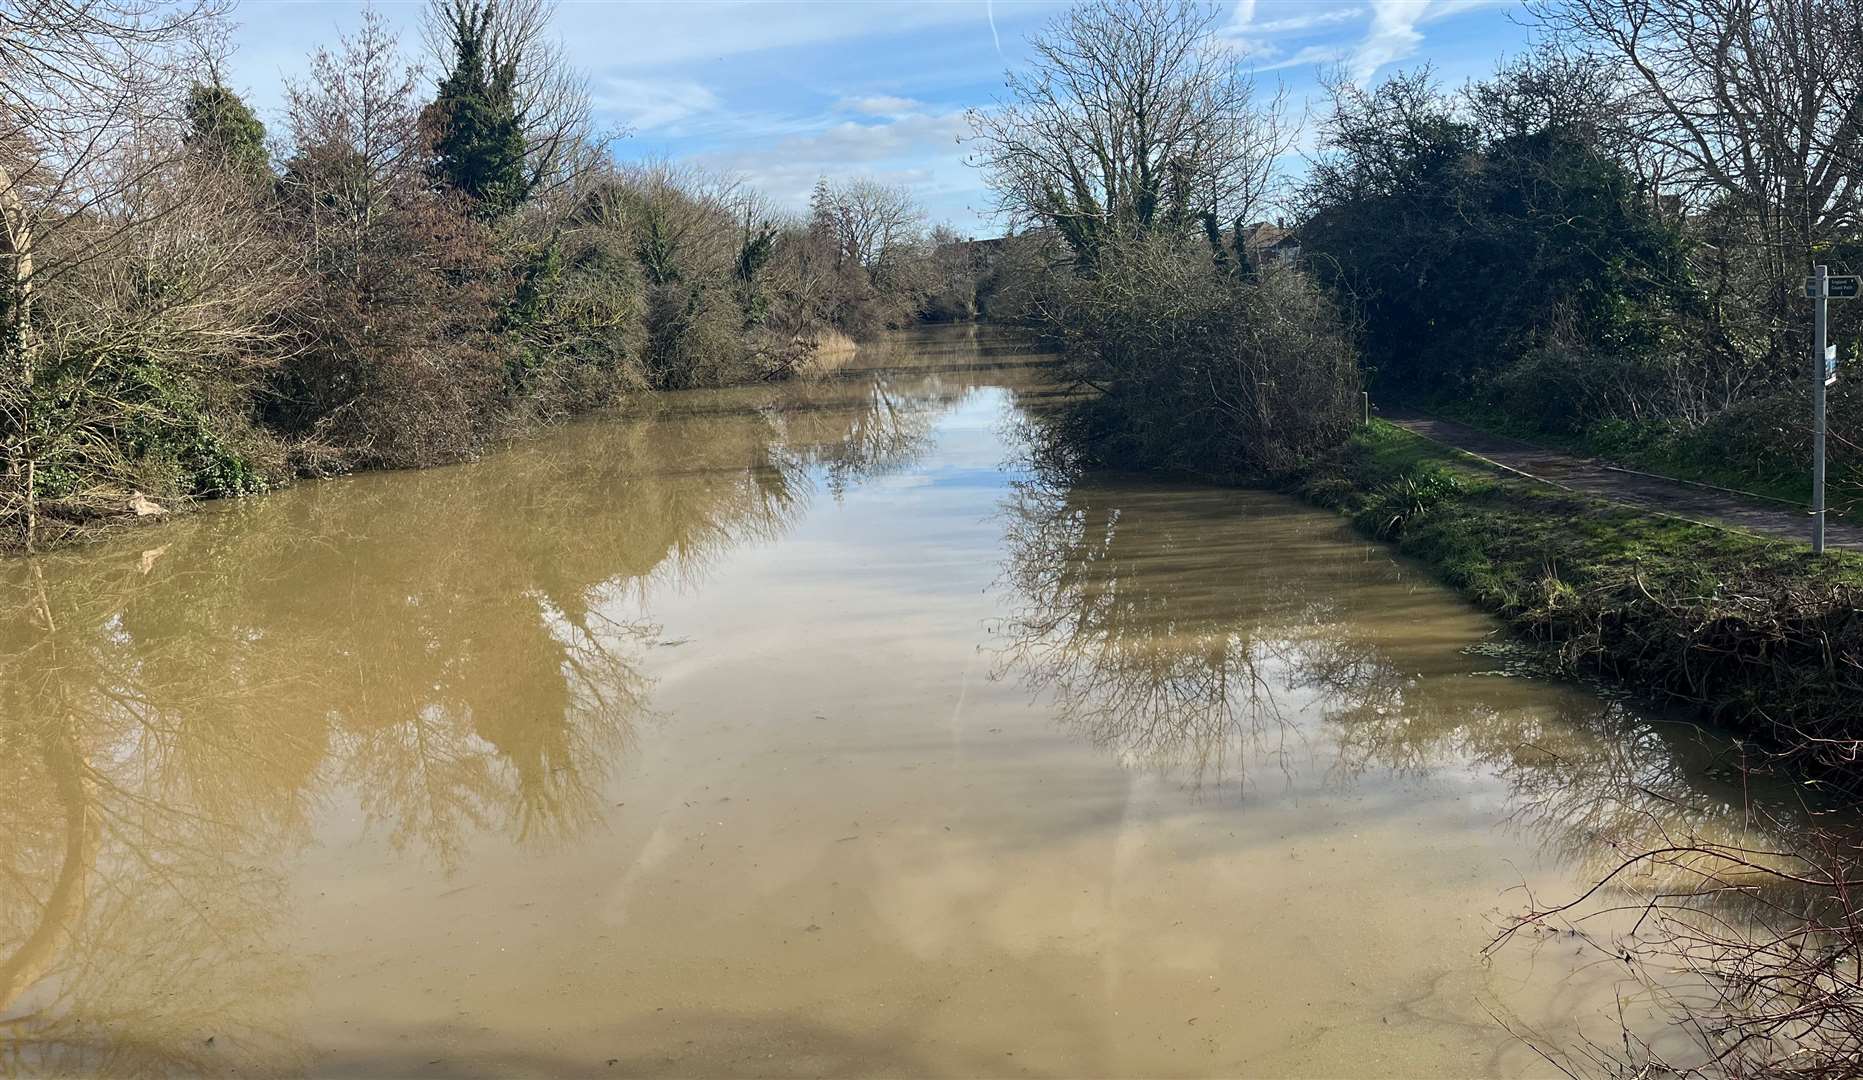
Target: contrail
{"type": "Point", "coordinates": [989, 7]}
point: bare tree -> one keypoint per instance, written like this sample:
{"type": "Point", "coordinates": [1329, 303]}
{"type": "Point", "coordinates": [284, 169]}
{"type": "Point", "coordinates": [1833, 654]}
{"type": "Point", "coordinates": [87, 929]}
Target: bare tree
{"type": "Point", "coordinates": [354, 124]}
{"type": "Point", "coordinates": [1756, 104]}
{"type": "Point", "coordinates": [877, 224]}
{"type": "Point", "coordinates": [87, 87]}
{"type": "Point", "coordinates": [1555, 88]}
{"type": "Point", "coordinates": [1134, 116]}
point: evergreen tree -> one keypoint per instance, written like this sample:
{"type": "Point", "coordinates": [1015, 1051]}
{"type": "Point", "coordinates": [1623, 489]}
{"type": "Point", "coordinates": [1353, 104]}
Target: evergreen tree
{"type": "Point", "coordinates": [478, 136]}
{"type": "Point", "coordinates": [221, 125]}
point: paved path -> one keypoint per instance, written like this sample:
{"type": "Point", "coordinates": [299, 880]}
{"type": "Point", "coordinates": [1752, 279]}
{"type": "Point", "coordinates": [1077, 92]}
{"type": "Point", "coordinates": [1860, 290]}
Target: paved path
{"type": "Point", "coordinates": [1693, 501]}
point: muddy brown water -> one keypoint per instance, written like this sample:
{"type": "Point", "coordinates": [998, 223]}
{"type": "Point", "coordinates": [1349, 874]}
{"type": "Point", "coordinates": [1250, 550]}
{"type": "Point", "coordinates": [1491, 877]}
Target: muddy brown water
{"type": "Point", "coordinates": [794, 729]}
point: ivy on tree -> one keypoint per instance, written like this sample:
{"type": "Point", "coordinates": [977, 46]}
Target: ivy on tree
{"type": "Point", "coordinates": [477, 132]}
{"type": "Point", "coordinates": [222, 125]}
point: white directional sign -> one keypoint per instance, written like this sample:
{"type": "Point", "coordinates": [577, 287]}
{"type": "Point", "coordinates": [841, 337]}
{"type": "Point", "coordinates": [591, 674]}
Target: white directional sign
{"type": "Point", "coordinates": [1843, 287]}
{"type": "Point", "coordinates": [1830, 364]}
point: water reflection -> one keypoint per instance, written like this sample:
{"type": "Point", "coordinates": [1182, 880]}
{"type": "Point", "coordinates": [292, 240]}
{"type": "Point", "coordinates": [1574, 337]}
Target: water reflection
{"type": "Point", "coordinates": [1222, 638]}
{"type": "Point", "coordinates": [419, 712]}
{"type": "Point", "coordinates": [451, 657]}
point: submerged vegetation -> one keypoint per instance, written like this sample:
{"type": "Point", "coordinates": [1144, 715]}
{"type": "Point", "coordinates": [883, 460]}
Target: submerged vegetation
{"type": "Point", "coordinates": [419, 262]}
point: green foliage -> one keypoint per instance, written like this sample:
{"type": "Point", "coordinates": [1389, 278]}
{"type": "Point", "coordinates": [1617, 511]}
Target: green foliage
{"type": "Point", "coordinates": [1203, 371]}
{"type": "Point", "coordinates": [1412, 496]}
{"type": "Point", "coordinates": [164, 425]}
{"type": "Point", "coordinates": [1464, 251]}
{"type": "Point", "coordinates": [754, 253]}
{"type": "Point", "coordinates": [476, 131]}
{"type": "Point", "coordinates": [532, 308]}
{"type": "Point", "coordinates": [222, 126]}
{"type": "Point", "coordinates": [655, 248]}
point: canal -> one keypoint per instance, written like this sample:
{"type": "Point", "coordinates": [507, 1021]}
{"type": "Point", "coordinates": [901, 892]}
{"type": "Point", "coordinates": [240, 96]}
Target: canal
{"type": "Point", "coordinates": [798, 729]}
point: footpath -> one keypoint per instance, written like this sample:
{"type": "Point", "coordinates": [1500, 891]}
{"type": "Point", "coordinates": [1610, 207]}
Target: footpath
{"type": "Point", "coordinates": [1696, 502]}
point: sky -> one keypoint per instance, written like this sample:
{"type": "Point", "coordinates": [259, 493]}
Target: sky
{"type": "Point", "coordinates": [779, 93]}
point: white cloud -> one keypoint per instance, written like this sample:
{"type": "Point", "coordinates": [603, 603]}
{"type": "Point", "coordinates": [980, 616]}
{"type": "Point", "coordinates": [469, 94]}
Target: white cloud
{"type": "Point", "coordinates": [1442, 9]}
{"type": "Point", "coordinates": [881, 105]}
{"type": "Point", "coordinates": [1310, 20]}
{"type": "Point", "coordinates": [853, 141]}
{"type": "Point", "coordinates": [1261, 35]}
{"type": "Point", "coordinates": [1393, 36]}
{"type": "Point", "coordinates": [921, 151]}
{"type": "Point", "coordinates": [652, 104]}
{"type": "Point", "coordinates": [1309, 55]}
{"type": "Point", "coordinates": [668, 34]}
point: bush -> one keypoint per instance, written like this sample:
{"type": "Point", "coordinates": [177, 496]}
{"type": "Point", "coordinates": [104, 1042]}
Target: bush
{"type": "Point", "coordinates": [1241, 378]}
{"type": "Point", "coordinates": [1567, 387]}
{"type": "Point", "coordinates": [143, 355]}
{"type": "Point", "coordinates": [400, 364]}
{"type": "Point", "coordinates": [1402, 502]}
{"type": "Point", "coordinates": [577, 323]}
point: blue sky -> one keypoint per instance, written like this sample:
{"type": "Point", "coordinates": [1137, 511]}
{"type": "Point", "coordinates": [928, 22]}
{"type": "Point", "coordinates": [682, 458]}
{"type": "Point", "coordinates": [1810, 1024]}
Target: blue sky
{"type": "Point", "coordinates": [780, 93]}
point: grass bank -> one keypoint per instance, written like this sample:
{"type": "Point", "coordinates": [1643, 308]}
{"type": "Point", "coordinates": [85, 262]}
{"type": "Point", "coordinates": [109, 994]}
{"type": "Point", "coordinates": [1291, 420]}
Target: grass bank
{"type": "Point", "coordinates": [1755, 634]}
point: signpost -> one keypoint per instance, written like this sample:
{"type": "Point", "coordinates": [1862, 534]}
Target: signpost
{"type": "Point", "coordinates": [1822, 287]}
{"type": "Point", "coordinates": [1841, 286]}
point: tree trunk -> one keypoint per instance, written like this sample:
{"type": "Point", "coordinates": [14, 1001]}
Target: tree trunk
{"type": "Point", "coordinates": [18, 349]}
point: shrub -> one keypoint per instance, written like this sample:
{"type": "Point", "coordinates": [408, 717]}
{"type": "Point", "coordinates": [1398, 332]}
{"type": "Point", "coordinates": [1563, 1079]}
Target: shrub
{"type": "Point", "coordinates": [399, 364]}
{"type": "Point", "coordinates": [1205, 372]}
{"type": "Point", "coordinates": [144, 352]}
{"type": "Point", "coordinates": [1411, 497]}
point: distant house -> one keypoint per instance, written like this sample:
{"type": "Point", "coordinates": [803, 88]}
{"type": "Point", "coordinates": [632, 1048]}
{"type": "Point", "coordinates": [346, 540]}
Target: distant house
{"type": "Point", "coordinates": [1269, 244]}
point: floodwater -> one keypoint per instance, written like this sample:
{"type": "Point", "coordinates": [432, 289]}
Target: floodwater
{"type": "Point", "coordinates": [799, 729]}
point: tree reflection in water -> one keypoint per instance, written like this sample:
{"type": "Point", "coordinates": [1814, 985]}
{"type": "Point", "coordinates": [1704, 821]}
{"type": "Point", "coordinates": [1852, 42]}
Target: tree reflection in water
{"type": "Point", "coordinates": [1201, 632]}
{"type": "Point", "coordinates": [1124, 615]}
{"type": "Point", "coordinates": [454, 653]}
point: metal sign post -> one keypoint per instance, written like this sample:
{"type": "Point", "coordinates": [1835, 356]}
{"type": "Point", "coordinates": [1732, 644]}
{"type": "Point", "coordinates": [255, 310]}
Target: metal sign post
{"type": "Point", "coordinates": [1821, 287]}
{"type": "Point", "coordinates": [1821, 277]}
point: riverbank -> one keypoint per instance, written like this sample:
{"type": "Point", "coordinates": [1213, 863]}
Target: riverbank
{"type": "Point", "coordinates": [1753, 633]}
{"type": "Point", "coordinates": [74, 522]}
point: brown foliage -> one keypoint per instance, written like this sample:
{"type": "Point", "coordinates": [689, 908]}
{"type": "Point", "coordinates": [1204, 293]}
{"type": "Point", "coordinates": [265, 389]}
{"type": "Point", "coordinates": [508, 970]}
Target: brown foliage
{"type": "Point", "coordinates": [1203, 371]}
{"type": "Point", "coordinates": [397, 364]}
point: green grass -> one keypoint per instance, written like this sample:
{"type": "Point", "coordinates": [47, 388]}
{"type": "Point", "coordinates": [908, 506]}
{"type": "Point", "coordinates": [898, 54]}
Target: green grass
{"type": "Point", "coordinates": [1656, 450]}
{"type": "Point", "coordinates": [1754, 632]}
{"type": "Point", "coordinates": [1518, 519]}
